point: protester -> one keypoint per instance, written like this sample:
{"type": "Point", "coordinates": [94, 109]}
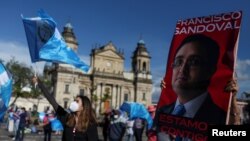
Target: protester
{"type": "Point", "coordinates": [138, 128]}
{"type": "Point", "coordinates": [150, 133]}
{"type": "Point", "coordinates": [22, 124]}
{"type": "Point", "coordinates": [129, 130]}
{"type": "Point", "coordinates": [29, 114]}
{"type": "Point", "coordinates": [117, 126]}
{"type": "Point", "coordinates": [105, 128]}
{"type": "Point", "coordinates": [151, 110]}
{"type": "Point", "coordinates": [80, 124]}
{"type": "Point", "coordinates": [16, 118]}
{"type": "Point", "coordinates": [47, 127]}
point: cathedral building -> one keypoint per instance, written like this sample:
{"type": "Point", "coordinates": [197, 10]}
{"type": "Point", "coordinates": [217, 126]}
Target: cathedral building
{"type": "Point", "coordinates": [107, 84]}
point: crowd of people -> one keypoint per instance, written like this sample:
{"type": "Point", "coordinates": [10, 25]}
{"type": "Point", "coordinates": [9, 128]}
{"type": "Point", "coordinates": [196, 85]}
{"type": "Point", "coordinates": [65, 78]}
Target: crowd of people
{"type": "Point", "coordinates": [20, 121]}
{"type": "Point", "coordinates": [117, 125]}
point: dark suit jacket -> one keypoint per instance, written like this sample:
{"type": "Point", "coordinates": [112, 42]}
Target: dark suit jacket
{"type": "Point", "coordinates": [208, 112]}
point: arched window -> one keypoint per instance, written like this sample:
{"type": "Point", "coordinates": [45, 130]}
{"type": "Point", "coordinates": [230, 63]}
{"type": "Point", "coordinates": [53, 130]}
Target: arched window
{"type": "Point", "coordinates": [139, 64]}
{"type": "Point", "coordinates": [144, 96]}
{"type": "Point", "coordinates": [126, 97]}
{"type": "Point", "coordinates": [66, 89]}
{"type": "Point", "coordinates": [144, 67]}
{"type": "Point", "coordinates": [65, 103]}
{"type": "Point", "coordinates": [81, 92]}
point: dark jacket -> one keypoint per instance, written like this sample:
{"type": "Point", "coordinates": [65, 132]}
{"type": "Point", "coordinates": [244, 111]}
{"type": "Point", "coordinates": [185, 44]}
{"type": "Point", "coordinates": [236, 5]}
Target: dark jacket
{"type": "Point", "coordinates": [116, 129]}
{"type": "Point", "coordinates": [90, 134]}
{"type": "Point", "coordinates": [208, 112]}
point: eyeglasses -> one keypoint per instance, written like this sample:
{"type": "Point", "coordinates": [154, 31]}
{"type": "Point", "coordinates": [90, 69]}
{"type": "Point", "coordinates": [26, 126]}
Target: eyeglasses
{"type": "Point", "coordinates": [192, 62]}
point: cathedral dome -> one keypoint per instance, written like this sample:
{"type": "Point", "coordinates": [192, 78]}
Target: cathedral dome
{"type": "Point", "coordinates": [141, 50]}
{"type": "Point", "coordinates": [69, 36]}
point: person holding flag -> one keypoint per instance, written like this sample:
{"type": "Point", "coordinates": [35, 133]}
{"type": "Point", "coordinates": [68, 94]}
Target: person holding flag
{"type": "Point", "coordinates": [46, 44]}
{"type": "Point", "coordinates": [80, 124]}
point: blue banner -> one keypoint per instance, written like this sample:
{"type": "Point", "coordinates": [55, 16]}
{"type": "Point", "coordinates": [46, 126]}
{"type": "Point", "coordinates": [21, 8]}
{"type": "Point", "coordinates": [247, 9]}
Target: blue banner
{"type": "Point", "coordinates": [56, 125]}
{"type": "Point", "coordinates": [5, 89]}
{"type": "Point", "coordinates": [46, 43]}
{"type": "Point", "coordinates": [137, 110]}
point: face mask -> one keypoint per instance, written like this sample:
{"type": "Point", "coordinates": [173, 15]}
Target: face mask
{"type": "Point", "coordinates": [115, 116]}
{"type": "Point", "coordinates": [74, 106]}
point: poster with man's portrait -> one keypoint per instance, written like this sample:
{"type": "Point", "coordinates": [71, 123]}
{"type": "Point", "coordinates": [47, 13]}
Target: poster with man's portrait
{"type": "Point", "coordinates": [201, 62]}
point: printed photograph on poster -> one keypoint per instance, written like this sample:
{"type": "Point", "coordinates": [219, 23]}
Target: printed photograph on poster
{"type": "Point", "coordinates": [200, 64]}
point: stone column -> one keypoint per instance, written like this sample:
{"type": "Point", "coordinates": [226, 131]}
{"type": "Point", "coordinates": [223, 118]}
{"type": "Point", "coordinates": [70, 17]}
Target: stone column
{"type": "Point", "coordinates": [121, 95]}
{"type": "Point", "coordinates": [101, 94]}
{"type": "Point", "coordinates": [114, 92]}
{"type": "Point", "coordinates": [98, 93]}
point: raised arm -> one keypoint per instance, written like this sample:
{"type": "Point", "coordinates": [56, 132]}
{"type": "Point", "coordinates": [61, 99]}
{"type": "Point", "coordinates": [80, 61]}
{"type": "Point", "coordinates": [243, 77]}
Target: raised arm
{"type": "Point", "coordinates": [46, 93]}
{"type": "Point", "coordinates": [234, 116]}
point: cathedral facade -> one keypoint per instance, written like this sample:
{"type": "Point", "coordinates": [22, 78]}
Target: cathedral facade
{"type": "Point", "coordinates": [107, 84]}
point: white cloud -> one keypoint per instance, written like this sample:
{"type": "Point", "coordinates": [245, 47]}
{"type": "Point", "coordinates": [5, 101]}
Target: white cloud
{"type": "Point", "coordinates": [10, 49]}
{"type": "Point", "coordinates": [243, 75]}
{"type": "Point", "coordinates": [13, 49]}
{"type": "Point", "coordinates": [242, 69]}
{"type": "Point", "coordinates": [85, 59]}
{"type": "Point", "coordinates": [158, 74]}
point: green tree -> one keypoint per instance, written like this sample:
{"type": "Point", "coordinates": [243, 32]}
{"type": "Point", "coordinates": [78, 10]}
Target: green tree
{"type": "Point", "coordinates": [106, 95]}
{"type": "Point", "coordinates": [22, 75]}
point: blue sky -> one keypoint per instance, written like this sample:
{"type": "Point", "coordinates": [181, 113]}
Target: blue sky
{"type": "Point", "coordinates": [96, 22]}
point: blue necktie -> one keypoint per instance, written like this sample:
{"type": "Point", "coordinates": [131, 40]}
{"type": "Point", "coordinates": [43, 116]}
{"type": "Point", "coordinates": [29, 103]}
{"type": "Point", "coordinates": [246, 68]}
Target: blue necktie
{"type": "Point", "coordinates": [179, 111]}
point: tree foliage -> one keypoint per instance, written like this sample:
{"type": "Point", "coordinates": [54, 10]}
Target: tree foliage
{"type": "Point", "coordinates": [22, 75]}
{"type": "Point", "coordinates": [106, 95]}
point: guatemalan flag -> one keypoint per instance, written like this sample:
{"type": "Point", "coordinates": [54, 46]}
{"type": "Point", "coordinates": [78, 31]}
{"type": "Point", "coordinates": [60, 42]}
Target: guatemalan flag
{"type": "Point", "coordinates": [5, 89]}
{"type": "Point", "coordinates": [46, 43]}
{"type": "Point", "coordinates": [137, 110]}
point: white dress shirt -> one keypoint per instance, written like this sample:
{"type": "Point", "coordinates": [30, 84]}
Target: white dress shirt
{"type": "Point", "coordinates": [193, 105]}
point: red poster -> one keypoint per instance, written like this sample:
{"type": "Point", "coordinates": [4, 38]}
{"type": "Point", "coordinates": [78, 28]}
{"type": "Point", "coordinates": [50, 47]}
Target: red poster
{"type": "Point", "coordinates": [200, 63]}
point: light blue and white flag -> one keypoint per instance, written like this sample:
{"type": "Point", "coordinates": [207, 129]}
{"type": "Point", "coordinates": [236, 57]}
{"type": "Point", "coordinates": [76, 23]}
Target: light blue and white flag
{"type": "Point", "coordinates": [137, 110]}
{"type": "Point", "coordinates": [56, 125]}
{"type": "Point", "coordinates": [5, 89]}
{"type": "Point", "coordinates": [46, 43]}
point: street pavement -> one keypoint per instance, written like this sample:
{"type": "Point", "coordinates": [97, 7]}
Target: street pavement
{"type": "Point", "coordinates": [6, 136]}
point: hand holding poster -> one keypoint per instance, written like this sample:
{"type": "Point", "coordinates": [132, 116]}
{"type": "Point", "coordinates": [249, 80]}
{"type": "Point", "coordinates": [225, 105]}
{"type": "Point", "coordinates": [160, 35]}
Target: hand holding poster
{"type": "Point", "coordinates": [200, 64]}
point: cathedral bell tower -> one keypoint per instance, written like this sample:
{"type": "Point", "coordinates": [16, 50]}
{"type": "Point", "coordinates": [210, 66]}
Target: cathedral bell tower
{"type": "Point", "coordinates": [69, 36]}
{"type": "Point", "coordinates": [141, 59]}
{"type": "Point", "coordinates": [142, 75]}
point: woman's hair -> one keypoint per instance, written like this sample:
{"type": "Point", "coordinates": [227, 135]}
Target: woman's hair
{"type": "Point", "coordinates": [86, 117]}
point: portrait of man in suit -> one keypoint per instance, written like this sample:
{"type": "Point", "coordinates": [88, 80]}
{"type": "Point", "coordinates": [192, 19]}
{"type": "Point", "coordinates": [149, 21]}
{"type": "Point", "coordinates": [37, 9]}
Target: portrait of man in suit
{"type": "Point", "coordinates": [194, 64]}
